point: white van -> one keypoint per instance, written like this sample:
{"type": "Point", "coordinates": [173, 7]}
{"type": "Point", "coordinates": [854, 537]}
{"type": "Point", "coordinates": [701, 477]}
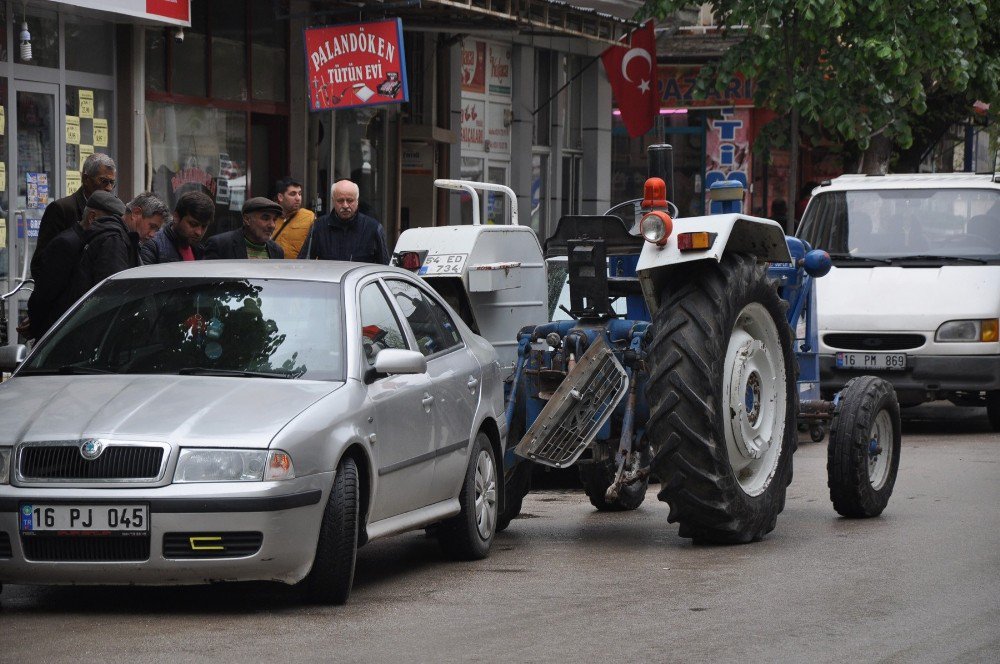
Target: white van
{"type": "Point", "coordinates": [914, 294]}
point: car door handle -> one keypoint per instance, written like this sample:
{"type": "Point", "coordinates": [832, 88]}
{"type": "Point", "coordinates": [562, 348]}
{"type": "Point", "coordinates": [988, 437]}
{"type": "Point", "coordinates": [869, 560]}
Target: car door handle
{"type": "Point", "coordinates": [473, 383]}
{"type": "Point", "coordinates": [427, 401]}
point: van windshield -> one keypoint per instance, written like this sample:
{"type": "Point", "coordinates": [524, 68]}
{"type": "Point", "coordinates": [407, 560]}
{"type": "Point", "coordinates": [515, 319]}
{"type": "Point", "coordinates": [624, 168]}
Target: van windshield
{"type": "Point", "coordinates": [899, 223]}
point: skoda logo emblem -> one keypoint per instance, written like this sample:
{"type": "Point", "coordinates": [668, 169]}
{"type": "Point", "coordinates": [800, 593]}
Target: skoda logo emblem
{"type": "Point", "coordinates": [91, 449]}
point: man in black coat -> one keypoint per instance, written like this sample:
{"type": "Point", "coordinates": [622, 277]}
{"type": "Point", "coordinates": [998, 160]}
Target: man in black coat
{"type": "Point", "coordinates": [98, 175]}
{"type": "Point", "coordinates": [346, 234]}
{"type": "Point", "coordinates": [54, 265]}
{"type": "Point", "coordinates": [180, 240]}
{"type": "Point", "coordinates": [260, 215]}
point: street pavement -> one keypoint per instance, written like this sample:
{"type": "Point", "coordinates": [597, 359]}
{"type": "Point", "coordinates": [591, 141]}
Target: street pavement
{"type": "Point", "coordinates": [565, 583]}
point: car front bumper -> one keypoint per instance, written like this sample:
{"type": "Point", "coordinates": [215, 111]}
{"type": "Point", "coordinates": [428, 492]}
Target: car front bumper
{"type": "Point", "coordinates": [925, 378]}
{"type": "Point", "coordinates": [286, 514]}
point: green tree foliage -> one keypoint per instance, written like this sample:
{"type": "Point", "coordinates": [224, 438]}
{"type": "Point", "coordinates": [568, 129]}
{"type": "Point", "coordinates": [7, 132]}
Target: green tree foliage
{"type": "Point", "coordinates": [859, 72]}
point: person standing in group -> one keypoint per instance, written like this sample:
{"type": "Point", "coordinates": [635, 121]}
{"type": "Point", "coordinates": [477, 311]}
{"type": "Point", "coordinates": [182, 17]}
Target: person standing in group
{"type": "Point", "coordinates": [180, 239]}
{"type": "Point", "coordinates": [346, 234]}
{"type": "Point", "coordinates": [113, 241]}
{"type": "Point", "coordinates": [99, 172]}
{"type": "Point", "coordinates": [53, 270]}
{"type": "Point", "coordinates": [254, 239]}
{"type": "Point", "coordinates": [296, 222]}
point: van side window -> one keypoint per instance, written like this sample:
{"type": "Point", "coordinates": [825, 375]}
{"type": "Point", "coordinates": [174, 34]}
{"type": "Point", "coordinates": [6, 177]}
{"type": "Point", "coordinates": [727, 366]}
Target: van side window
{"type": "Point", "coordinates": [432, 326]}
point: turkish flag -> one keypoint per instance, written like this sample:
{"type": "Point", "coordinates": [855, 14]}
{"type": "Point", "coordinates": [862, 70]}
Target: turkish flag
{"type": "Point", "coordinates": [632, 72]}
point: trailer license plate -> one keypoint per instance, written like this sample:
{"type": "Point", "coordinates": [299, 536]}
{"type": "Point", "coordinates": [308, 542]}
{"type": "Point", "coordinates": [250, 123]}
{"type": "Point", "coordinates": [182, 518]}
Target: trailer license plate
{"type": "Point", "coordinates": [84, 518]}
{"type": "Point", "coordinates": [443, 264]}
{"type": "Point", "coordinates": [872, 361]}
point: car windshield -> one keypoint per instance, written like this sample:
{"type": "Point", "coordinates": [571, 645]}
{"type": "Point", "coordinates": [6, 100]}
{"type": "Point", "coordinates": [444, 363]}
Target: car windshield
{"type": "Point", "coordinates": [936, 224]}
{"type": "Point", "coordinates": [242, 327]}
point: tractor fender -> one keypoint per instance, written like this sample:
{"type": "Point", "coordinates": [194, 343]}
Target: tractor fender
{"type": "Point", "coordinates": [733, 233]}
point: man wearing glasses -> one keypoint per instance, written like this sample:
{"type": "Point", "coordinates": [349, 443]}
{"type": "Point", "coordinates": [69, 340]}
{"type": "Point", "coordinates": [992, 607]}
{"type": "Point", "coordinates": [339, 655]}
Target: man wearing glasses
{"type": "Point", "coordinates": [99, 172]}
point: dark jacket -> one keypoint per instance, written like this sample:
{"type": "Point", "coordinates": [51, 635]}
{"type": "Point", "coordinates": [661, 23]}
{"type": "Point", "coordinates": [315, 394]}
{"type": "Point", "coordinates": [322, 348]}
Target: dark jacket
{"type": "Point", "coordinates": [360, 239]}
{"type": "Point", "coordinates": [162, 248]}
{"type": "Point", "coordinates": [58, 216]}
{"type": "Point", "coordinates": [233, 245]}
{"type": "Point", "coordinates": [111, 247]}
{"type": "Point", "coordinates": [53, 274]}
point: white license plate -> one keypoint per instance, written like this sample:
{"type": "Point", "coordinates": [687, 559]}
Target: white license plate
{"type": "Point", "coordinates": [443, 264]}
{"type": "Point", "coordinates": [872, 361]}
{"type": "Point", "coordinates": [84, 518]}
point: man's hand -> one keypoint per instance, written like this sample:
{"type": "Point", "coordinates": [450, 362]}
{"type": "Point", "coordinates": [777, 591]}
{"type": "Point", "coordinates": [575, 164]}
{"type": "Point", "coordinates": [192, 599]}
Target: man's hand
{"type": "Point", "coordinates": [24, 327]}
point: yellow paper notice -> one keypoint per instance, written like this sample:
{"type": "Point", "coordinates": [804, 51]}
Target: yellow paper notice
{"type": "Point", "coordinates": [73, 182]}
{"type": "Point", "coordinates": [72, 130]}
{"type": "Point", "coordinates": [85, 151]}
{"type": "Point", "coordinates": [3, 176]}
{"type": "Point", "coordinates": [100, 132]}
{"type": "Point", "coordinates": [86, 103]}
{"type": "Point", "coordinates": [3, 121]}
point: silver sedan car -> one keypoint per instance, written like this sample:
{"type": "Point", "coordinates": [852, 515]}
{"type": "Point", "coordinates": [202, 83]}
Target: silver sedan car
{"type": "Point", "coordinates": [246, 420]}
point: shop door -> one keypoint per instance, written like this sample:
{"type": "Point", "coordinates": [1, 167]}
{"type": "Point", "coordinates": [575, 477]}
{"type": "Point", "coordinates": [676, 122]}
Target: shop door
{"type": "Point", "coordinates": [32, 184]}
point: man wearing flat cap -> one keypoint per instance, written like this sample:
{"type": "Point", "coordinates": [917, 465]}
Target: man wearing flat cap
{"type": "Point", "coordinates": [253, 240]}
{"type": "Point", "coordinates": [55, 265]}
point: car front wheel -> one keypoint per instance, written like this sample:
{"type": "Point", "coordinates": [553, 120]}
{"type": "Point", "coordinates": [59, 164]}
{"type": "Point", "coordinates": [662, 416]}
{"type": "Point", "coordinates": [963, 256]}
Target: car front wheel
{"type": "Point", "coordinates": [332, 574]}
{"type": "Point", "coordinates": [469, 534]}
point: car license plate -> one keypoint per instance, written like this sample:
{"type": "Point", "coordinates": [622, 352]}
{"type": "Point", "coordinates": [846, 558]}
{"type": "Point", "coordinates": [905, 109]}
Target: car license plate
{"type": "Point", "coordinates": [50, 518]}
{"type": "Point", "coordinates": [872, 361]}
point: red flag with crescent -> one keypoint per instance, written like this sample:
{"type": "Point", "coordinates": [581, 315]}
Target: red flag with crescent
{"type": "Point", "coordinates": [632, 72]}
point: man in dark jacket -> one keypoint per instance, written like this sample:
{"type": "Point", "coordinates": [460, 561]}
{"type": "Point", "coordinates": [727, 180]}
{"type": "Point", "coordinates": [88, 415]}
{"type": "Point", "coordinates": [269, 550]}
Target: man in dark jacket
{"type": "Point", "coordinates": [54, 265]}
{"type": "Point", "coordinates": [346, 234]}
{"type": "Point", "coordinates": [253, 240]}
{"type": "Point", "coordinates": [98, 175]}
{"type": "Point", "coordinates": [113, 245]}
{"type": "Point", "coordinates": [180, 240]}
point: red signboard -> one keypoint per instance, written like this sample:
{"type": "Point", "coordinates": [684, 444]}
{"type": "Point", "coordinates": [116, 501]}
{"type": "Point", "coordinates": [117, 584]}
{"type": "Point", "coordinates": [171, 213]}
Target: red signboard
{"type": "Point", "coordinates": [361, 64]}
{"type": "Point", "coordinates": [677, 90]}
{"type": "Point", "coordinates": [176, 9]}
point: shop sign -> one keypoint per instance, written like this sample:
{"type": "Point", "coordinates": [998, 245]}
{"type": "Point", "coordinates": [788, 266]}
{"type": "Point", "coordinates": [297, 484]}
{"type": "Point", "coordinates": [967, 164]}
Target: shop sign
{"type": "Point", "coordinates": [499, 69]}
{"type": "Point", "coordinates": [418, 159]}
{"type": "Point", "coordinates": [361, 64]}
{"type": "Point", "coordinates": [174, 12]}
{"type": "Point", "coordinates": [727, 149]}
{"type": "Point", "coordinates": [677, 90]}
{"type": "Point", "coordinates": [473, 124]}
{"type": "Point", "coordinates": [498, 123]}
{"type": "Point", "coordinates": [473, 66]}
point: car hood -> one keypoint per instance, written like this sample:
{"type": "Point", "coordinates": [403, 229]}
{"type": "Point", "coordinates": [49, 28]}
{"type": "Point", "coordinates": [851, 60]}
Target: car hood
{"type": "Point", "coordinates": [893, 299]}
{"type": "Point", "coordinates": [202, 410]}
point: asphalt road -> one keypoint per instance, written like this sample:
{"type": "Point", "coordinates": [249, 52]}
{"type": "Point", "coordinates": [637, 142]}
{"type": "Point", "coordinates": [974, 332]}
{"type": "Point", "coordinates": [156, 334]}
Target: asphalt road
{"type": "Point", "coordinates": [565, 583]}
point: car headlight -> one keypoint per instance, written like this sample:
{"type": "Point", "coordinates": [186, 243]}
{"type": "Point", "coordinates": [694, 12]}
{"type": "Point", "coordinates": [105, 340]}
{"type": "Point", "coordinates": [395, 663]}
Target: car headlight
{"type": "Point", "coordinates": [5, 465]}
{"type": "Point", "coordinates": [968, 330]}
{"type": "Point", "coordinates": [224, 465]}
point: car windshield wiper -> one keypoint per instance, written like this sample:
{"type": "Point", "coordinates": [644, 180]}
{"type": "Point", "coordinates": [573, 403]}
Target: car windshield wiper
{"type": "Point", "coordinates": [859, 259]}
{"type": "Point", "coordinates": [68, 369]}
{"type": "Point", "coordinates": [938, 258]}
{"type": "Point", "coordinates": [239, 373]}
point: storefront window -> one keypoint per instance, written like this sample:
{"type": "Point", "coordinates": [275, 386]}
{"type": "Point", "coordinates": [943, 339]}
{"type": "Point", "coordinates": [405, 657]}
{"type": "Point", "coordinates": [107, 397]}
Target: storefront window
{"type": "Point", "coordinates": [44, 28]}
{"type": "Point", "coordinates": [270, 53]}
{"type": "Point", "coordinates": [229, 50]}
{"type": "Point", "coordinates": [4, 184]}
{"type": "Point", "coordinates": [188, 75]}
{"type": "Point", "coordinates": [3, 38]}
{"type": "Point", "coordinates": [201, 149]}
{"type": "Point", "coordinates": [360, 153]}
{"type": "Point", "coordinates": [90, 45]}
{"type": "Point", "coordinates": [543, 97]}
{"type": "Point", "coordinates": [156, 60]}
{"type": "Point", "coordinates": [88, 130]}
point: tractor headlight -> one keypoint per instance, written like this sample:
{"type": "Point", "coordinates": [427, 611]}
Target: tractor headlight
{"type": "Point", "coordinates": [222, 465]}
{"type": "Point", "coordinates": [656, 227]}
{"type": "Point", "coordinates": [968, 330]}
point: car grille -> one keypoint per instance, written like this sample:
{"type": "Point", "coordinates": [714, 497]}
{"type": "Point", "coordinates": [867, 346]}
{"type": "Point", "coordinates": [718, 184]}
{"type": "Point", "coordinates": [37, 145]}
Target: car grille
{"type": "Point", "coordinates": [5, 550]}
{"type": "Point", "coordinates": [62, 461]}
{"type": "Point", "coordinates": [89, 549]}
{"type": "Point", "coordinates": [874, 342]}
{"type": "Point", "coordinates": [211, 545]}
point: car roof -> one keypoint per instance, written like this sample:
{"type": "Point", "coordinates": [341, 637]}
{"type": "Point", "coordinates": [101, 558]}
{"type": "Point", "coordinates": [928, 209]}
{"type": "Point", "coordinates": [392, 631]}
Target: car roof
{"type": "Point", "coordinates": [313, 270]}
{"type": "Point", "coordinates": [910, 181]}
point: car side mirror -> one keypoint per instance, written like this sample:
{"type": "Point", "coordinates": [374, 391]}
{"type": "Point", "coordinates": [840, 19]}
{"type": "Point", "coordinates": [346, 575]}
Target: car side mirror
{"type": "Point", "coordinates": [11, 356]}
{"type": "Point", "coordinates": [399, 361]}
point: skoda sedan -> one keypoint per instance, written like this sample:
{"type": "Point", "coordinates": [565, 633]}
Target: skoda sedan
{"type": "Point", "coordinates": [246, 420]}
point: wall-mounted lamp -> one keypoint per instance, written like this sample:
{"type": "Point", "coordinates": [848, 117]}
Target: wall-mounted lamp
{"type": "Point", "coordinates": [25, 42]}
{"type": "Point", "coordinates": [179, 35]}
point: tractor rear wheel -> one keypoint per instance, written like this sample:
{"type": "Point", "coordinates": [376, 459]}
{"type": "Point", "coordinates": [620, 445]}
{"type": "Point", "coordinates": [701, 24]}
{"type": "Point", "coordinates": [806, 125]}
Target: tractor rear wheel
{"type": "Point", "coordinates": [722, 400]}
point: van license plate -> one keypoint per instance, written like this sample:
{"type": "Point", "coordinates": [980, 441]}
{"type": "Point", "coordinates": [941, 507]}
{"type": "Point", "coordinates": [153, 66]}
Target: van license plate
{"type": "Point", "coordinates": [872, 361]}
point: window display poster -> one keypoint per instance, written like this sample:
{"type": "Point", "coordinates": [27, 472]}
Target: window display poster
{"type": "Point", "coordinates": [100, 132]}
{"type": "Point", "coordinates": [73, 182]}
{"type": "Point", "coordinates": [499, 69]}
{"type": "Point", "coordinates": [473, 124]}
{"type": "Point", "coordinates": [3, 176]}
{"type": "Point", "coordinates": [418, 159]}
{"type": "Point", "coordinates": [498, 128]}
{"type": "Point", "coordinates": [3, 121]}
{"type": "Point", "coordinates": [473, 66]}
{"type": "Point", "coordinates": [357, 64]}
{"type": "Point", "coordinates": [72, 130]}
{"type": "Point", "coordinates": [86, 103]}
{"type": "Point", "coordinates": [85, 151]}
{"type": "Point", "coordinates": [37, 190]}
{"type": "Point", "coordinates": [727, 149]}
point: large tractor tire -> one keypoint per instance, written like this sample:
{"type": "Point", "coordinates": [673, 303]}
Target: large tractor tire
{"type": "Point", "coordinates": [722, 401]}
{"type": "Point", "coordinates": [863, 453]}
{"type": "Point", "coordinates": [993, 409]}
{"type": "Point", "coordinates": [597, 476]}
